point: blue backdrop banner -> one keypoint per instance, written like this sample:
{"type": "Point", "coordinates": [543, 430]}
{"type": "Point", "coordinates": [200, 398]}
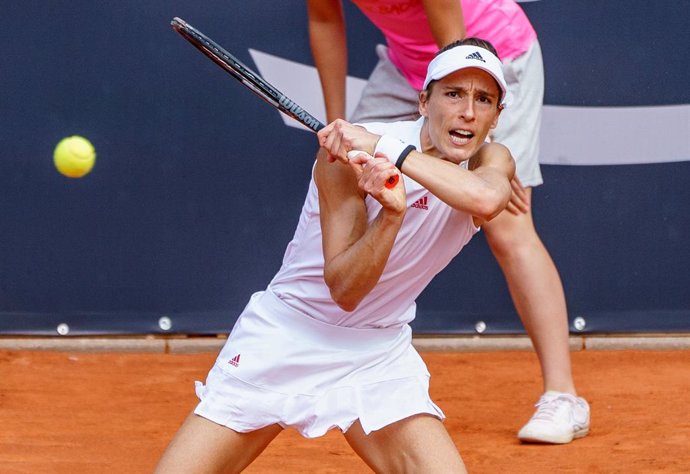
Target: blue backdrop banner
{"type": "Point", "coordinates": [198, 184]}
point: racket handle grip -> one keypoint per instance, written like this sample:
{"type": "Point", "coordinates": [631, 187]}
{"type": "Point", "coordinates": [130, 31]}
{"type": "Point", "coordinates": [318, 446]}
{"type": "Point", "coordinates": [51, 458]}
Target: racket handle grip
{"type": "Point", "coordinates": [390, 182]}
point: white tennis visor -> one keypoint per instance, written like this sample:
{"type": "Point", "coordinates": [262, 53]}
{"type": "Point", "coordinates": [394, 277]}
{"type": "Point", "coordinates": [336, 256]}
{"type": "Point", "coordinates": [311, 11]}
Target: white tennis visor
{"type": "Point", "coordinates": [466, 56]}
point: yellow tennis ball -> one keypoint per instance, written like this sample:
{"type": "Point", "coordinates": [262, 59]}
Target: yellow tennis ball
{"type": "Point", "coordinates": [74, 156]}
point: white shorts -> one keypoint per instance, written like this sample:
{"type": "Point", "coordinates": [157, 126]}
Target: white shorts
{"type": "Point", "coordinates": [388, 97]}
{"type": "Point", "coordinates": [282, 367]}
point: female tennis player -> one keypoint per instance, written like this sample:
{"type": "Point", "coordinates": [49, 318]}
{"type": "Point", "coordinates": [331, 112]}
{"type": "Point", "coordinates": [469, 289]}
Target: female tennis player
{"type": "Point", "coordinates": [328, 343]}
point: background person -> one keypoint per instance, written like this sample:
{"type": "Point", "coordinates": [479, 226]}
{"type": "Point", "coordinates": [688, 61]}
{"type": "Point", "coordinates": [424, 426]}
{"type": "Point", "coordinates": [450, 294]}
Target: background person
{"type": "Point", "coordinates": [414, 30]}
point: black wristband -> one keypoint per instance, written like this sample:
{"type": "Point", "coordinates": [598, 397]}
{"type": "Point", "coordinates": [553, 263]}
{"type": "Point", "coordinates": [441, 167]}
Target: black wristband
{"type": "Point", "coordinates": [408, 149]}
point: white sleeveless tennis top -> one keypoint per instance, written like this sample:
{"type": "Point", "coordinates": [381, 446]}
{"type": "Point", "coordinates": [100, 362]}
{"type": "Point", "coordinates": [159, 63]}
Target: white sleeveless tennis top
{"type": "Point", "coordinates": [431, 235]}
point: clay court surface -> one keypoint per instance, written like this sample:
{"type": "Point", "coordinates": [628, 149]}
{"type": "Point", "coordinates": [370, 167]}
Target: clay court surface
{"type": "Point", "coordinates": [63, 412]}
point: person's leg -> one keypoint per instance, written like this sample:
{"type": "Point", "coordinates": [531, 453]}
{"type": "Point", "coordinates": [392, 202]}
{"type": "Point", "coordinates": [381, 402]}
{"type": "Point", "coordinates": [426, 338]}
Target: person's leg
{"type": "Point", "coordinates": [537, 293]}
{"type": "Point", "coordinates": [531, 275]}
{"type": "Point", "coordinates": [202, 446]}
{"type": "Point", "coordinates": [418, 444]}
{"type": "Point", "coordinates": [538, 297]}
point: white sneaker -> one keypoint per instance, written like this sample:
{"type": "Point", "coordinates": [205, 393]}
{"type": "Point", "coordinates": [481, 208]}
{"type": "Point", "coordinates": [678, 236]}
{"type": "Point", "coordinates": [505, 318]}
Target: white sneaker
{"type": "Point", "coordinates": [560, 418]}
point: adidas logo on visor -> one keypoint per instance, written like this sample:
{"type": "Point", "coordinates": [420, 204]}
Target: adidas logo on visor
{"type": "Point", "coordinates": [476, 55]}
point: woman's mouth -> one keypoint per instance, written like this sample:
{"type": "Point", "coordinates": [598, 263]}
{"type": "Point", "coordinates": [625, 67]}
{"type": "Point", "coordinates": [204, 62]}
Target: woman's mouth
{"type": "Point", "coordinates": [460, 137]}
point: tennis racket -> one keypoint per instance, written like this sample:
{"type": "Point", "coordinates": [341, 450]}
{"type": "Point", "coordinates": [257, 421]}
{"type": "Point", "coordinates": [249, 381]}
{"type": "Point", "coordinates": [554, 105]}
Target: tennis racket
{"type": "Point", "coordinates": [250, 79]}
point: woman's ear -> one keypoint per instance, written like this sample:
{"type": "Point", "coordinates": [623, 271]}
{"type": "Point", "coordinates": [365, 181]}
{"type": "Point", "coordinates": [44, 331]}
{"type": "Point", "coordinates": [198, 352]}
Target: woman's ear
{"type": "Point", "coordinates": [423, 100]}
{"type": "Point", "coordinates": [498, 114]}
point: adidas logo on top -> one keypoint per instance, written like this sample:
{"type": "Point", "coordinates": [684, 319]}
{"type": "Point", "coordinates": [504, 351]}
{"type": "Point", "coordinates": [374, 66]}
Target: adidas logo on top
{"type": "Point", "coordinates": [235, 361]}
{"type": "Point", "coordinates": [476, 55]}
{"type": "Point", "coordinates": [421, 203]}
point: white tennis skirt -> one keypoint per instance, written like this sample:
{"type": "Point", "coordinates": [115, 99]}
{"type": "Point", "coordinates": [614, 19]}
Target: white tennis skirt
{"type": "Point", "coordinates": [280, 366]}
